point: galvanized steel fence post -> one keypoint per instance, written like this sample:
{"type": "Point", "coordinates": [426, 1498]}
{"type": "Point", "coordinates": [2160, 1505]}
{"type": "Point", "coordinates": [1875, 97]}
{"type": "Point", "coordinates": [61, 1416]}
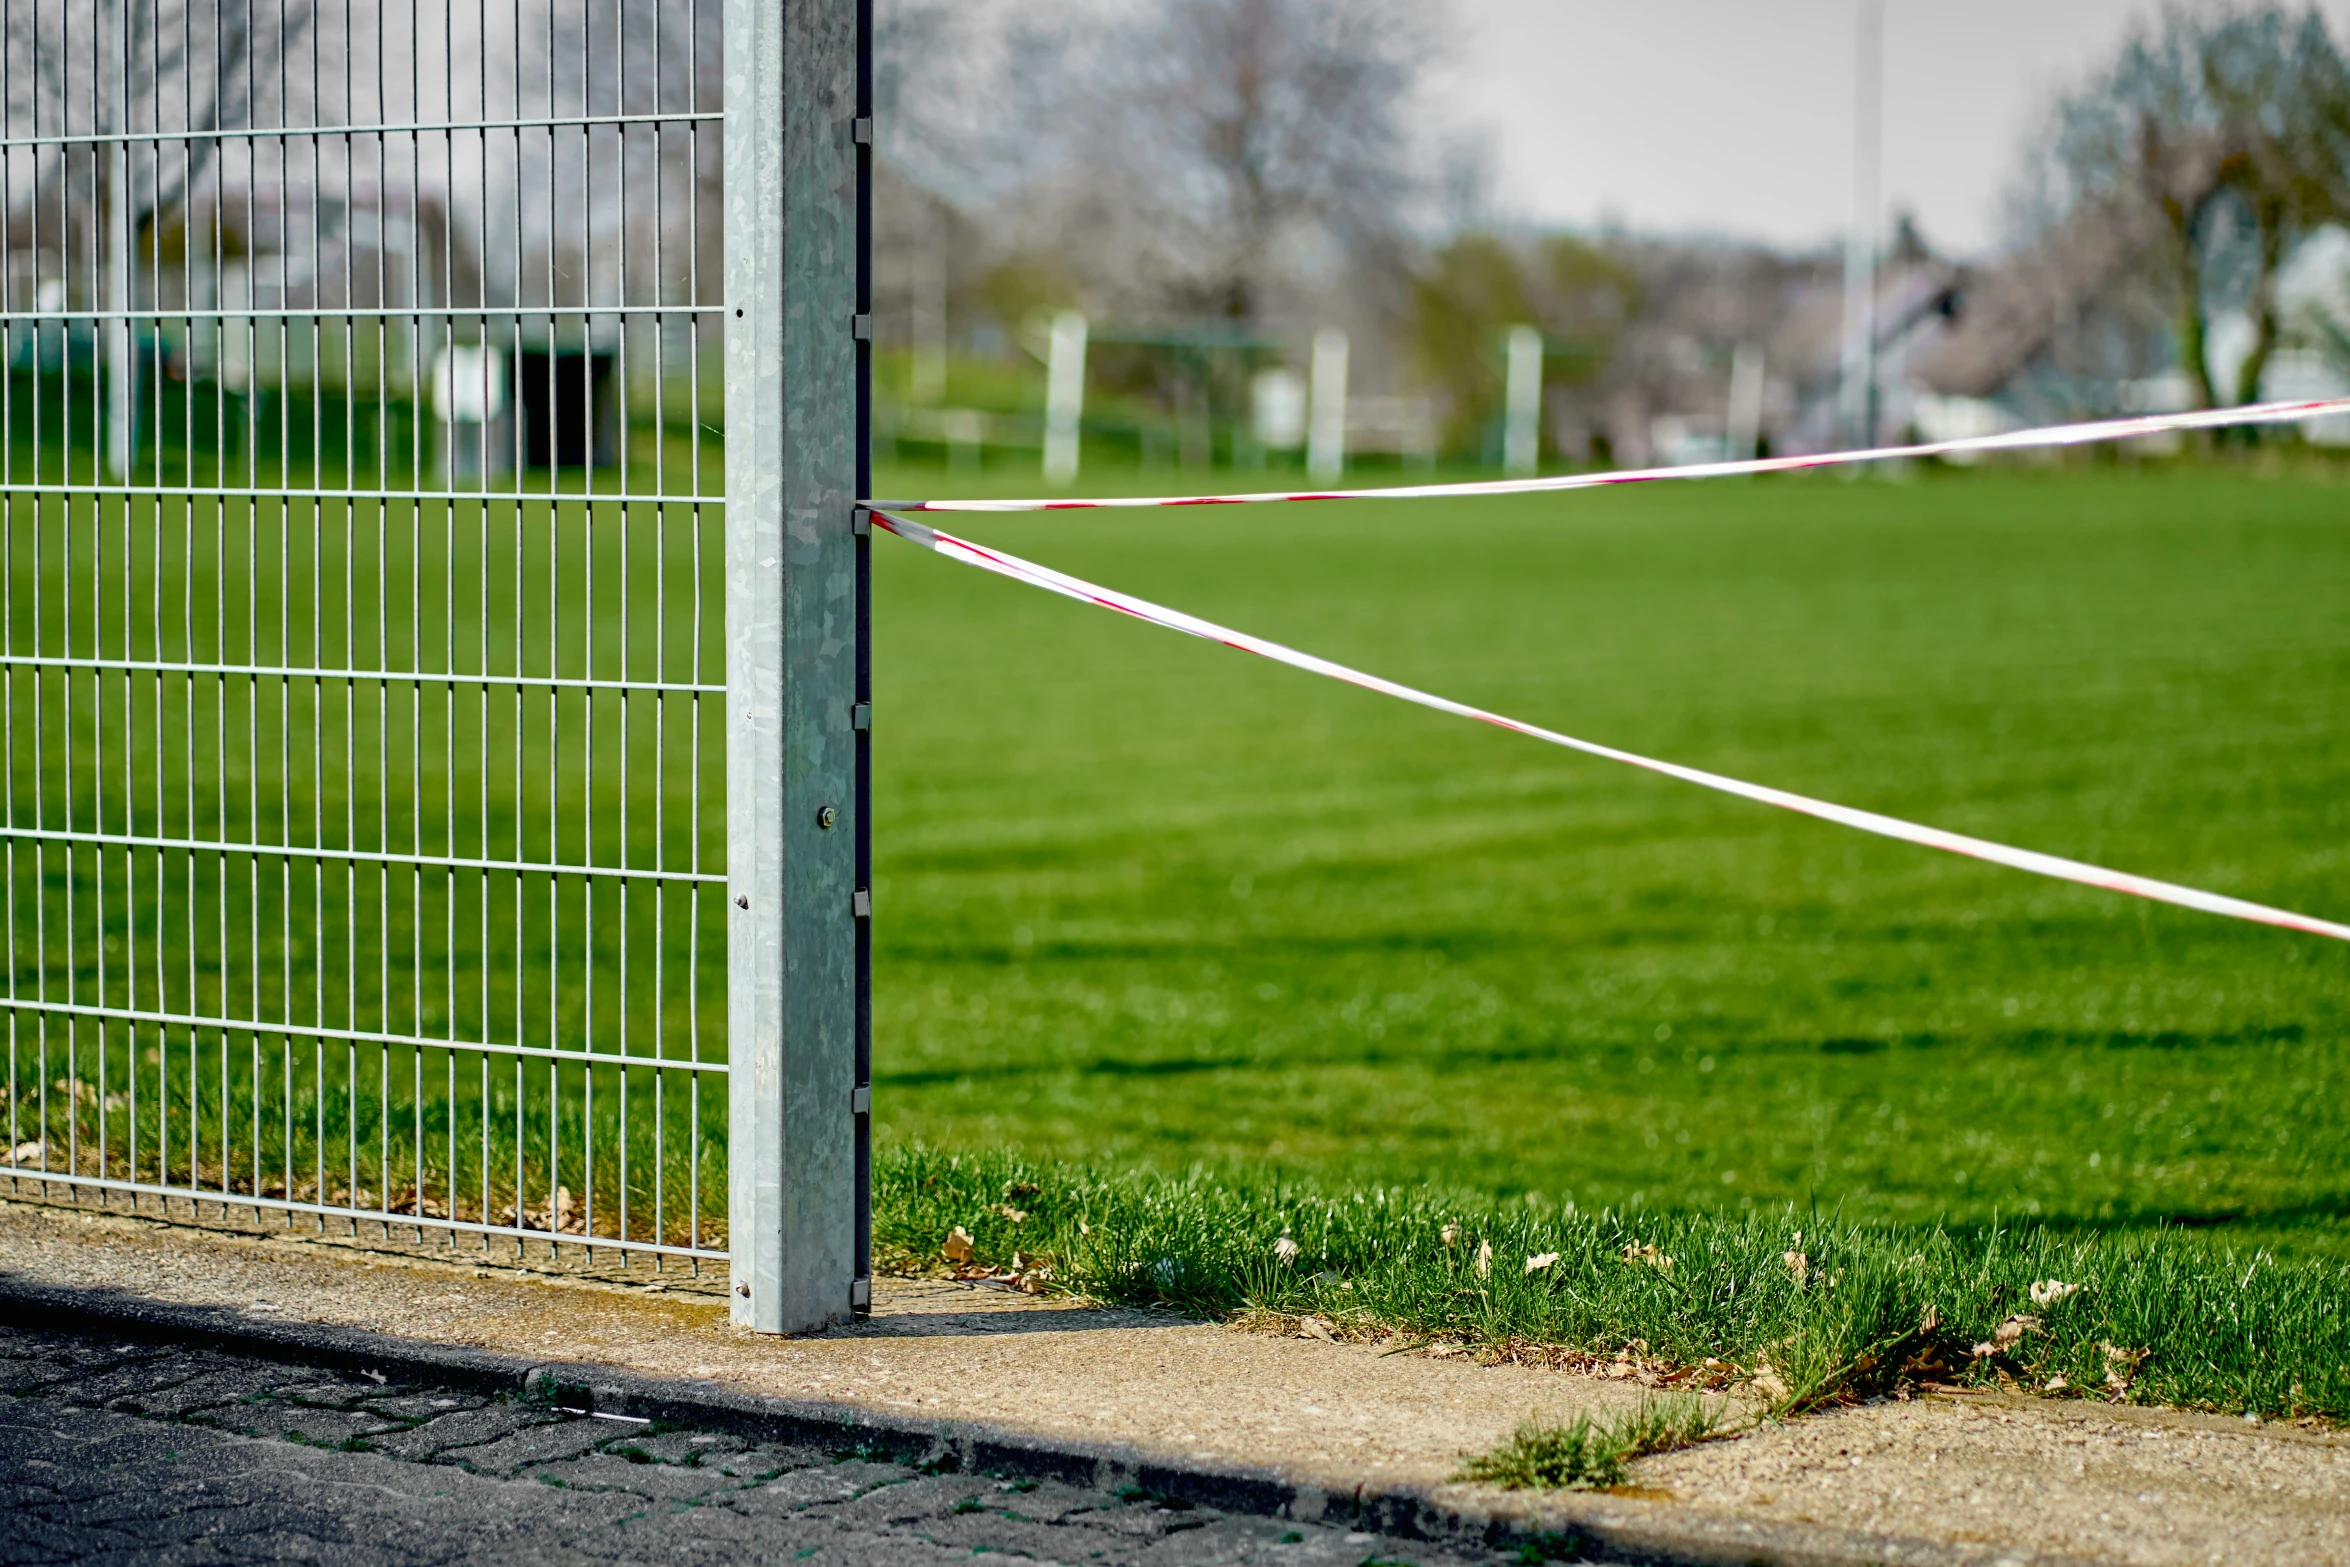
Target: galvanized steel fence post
{"type": "Point", "coordinates": [798, 133]}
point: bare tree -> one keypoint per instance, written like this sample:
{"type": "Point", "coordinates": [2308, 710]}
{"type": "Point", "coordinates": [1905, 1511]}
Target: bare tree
{"type": "Point", "coordinates": [1260, 118]}
{"type": "Point", "coordinates": [2206, 115]}
{"type": "Point", "coordinates": [2284, 91]}
{"type": "Point", "coordinates": [1197, 157]}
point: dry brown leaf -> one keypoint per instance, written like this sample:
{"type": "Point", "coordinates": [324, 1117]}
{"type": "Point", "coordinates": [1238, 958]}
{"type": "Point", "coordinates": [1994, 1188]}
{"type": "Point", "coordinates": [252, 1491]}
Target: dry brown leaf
{"type": "Point", "coordinates": [1315, 1327]}
{"type": "Point", "coordinates": [2047, 1292]}
{"type": "Point", "coordinates": [1285, 1251]}
{"type": "Point", "coordinates": [1539, 1263]}
{"type": "Point", "coordinates": [1648, 1255]}
{"type": "Point", "coordinates": [1798, 1265]}
{"type": "Point", "coordinates": [959, 1246]}
{"type": "Point", "coordinates": [1483, 1266]}
{"type": "Point", "coordinates": [1451, 1233]}
{"type": "Point", "coordinates": [1016, 1215]}
{"type": "Point", "coordinates": [2006, 1336]}
{"type": "Point", "coordinates": [25, 1153]}
{"type": "Point", "coordinates": [567, 1218]}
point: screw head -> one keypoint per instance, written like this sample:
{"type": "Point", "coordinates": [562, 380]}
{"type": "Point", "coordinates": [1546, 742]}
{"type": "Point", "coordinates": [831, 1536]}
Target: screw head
{"type": "Point", "coordinates": [742, 903]}
{"type": "Point", "coordinates": [742, 1289]}
{"type": "Point", "coordinates": [826, 816]}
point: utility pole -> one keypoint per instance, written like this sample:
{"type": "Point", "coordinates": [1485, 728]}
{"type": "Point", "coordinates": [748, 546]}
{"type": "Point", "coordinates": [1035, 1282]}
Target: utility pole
{"type": "Point", "coordinates": [799, 133]}
{"type": "Point", "coordinates": [1859, 391]}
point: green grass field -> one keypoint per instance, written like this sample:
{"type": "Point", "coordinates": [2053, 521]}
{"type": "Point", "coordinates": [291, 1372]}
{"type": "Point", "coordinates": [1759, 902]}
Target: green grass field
{"type": "Point", "coordinates": [1146, 903]}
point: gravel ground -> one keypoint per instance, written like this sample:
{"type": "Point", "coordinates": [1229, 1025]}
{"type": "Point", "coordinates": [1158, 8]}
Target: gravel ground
{"type": "Point", "coordinates": [112, 1451]}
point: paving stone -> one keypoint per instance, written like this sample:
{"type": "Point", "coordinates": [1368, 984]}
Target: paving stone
{"type": "Point", "coordinates": [465, 1428]}
{"type": "Point", "coordinates": [538, 1444]}
{"type": "Point", "coordinates": [657, 1482]}
{"type": "Point", "coordinates": [827, 1484]}
{"type": "Point", "coordinates": [707, 1449]}
{"type": "Point", "coordinates": [217, 1388]}
{"type": "Point", "coordinates": [900, 1499]}
{"type": "Point", "coordinates": [330, 1392]}
{"type": "Point", "coordinates": [1046, 1502]}
{"type": "Point", "coordinates": [769, 1459]}
{"type": "Point", "coordinates": [315, 1427]}
{"type": "Point", "coordinates": [428, 1404]}
{"type": "Point", "coordinates": [136, 1381]}
{"type": "Point", "coordinates": [29, 1374]}
{"type": "Point", "coordinates": [86, 1354]}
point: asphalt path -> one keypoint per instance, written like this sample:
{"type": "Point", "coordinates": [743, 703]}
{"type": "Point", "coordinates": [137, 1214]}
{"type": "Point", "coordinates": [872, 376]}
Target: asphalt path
{"type": "Point", "coordinates": [115, 1451]}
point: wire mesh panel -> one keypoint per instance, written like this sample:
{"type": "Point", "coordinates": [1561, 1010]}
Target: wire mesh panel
{"type": "Point", "coordinates": [361, 712]}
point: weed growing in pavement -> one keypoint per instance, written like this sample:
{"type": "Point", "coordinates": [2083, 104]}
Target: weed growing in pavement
{"type": "Point", "coordinates": [1796, 1309]}
{"type": "Point", "coordinates": [1547, 1456]}
{"type": "Point", "coordinates": [1587, 1455]}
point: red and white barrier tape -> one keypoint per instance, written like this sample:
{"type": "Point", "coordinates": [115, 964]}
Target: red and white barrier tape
{"type": "Point", "coordinates": [1045, 577]}
{"type": "Point", "coordinates": [2012, 441]}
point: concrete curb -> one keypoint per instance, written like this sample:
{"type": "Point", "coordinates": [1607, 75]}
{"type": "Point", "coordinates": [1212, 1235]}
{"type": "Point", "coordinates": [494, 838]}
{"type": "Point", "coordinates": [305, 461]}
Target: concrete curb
{"type": "Point", "coordinates": [1565, 1527]}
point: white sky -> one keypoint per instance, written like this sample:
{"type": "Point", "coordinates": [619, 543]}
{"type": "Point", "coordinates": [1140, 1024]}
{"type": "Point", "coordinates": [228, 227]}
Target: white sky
{"type": "Point", "coordinates": [1734, 117]}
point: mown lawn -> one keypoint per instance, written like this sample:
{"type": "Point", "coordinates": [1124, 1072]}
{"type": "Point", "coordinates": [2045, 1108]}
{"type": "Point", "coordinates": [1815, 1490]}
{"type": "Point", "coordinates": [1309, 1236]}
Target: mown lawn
{"type": "Point", "coordinates": [1144, 902]}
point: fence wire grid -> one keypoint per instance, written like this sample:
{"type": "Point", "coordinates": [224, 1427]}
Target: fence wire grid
{"type": "Point", "coordinates": [362, 719]}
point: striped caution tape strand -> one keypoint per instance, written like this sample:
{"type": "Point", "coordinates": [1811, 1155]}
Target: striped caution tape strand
{"type": "Point", "coordinates": [2046, 437]}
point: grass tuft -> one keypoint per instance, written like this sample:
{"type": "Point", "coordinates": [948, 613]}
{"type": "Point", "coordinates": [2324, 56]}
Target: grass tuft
{"type": "Point", "coordinates": [1587, 1455]}
{"type": "Point", "coordinates": [1546, 1456]}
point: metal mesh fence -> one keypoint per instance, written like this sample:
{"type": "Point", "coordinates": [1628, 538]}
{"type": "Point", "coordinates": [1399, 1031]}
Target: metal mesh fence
{"type": "Point", "coordinates": [362, 725]}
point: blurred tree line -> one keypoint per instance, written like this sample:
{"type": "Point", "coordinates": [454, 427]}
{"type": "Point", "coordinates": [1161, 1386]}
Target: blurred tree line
{"type": "Point", "coordinates": [1215, 180]}
{"type": "Point", "coordinates": [1212, 182]}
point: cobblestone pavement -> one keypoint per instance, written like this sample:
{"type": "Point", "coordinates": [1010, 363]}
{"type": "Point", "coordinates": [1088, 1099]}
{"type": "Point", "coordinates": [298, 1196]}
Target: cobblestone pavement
{"type": "Point", "coordinates": [123, 1452]}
